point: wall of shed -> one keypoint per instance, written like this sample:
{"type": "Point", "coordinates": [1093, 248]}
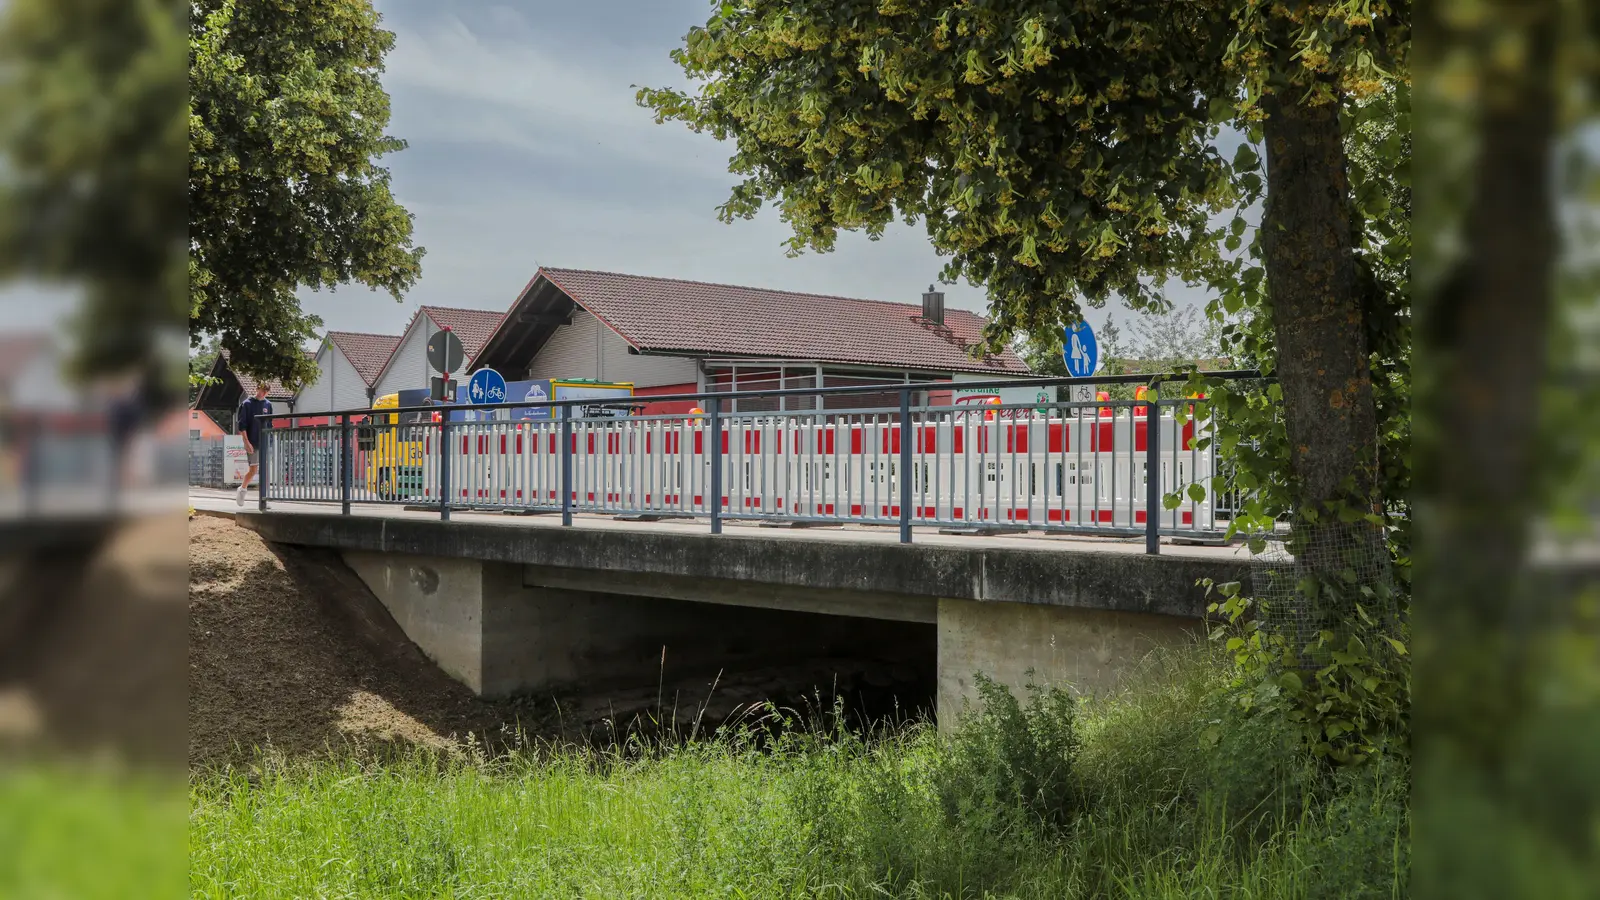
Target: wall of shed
{"type": "Point", "coordinates": [338, 385]}
{"type": "Point", "coordinates": [408, 368]}
{"type": "Point", "coordinates": [318, 395]}
{"type": "Point", "coordinates": [589, 349]}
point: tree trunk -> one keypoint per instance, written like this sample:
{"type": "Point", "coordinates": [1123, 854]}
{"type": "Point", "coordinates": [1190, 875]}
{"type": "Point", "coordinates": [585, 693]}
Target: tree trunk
{"type": "Point", "coordinates": [1308, 242]}
{"type": "Point", "coordinates": [1482, 476]}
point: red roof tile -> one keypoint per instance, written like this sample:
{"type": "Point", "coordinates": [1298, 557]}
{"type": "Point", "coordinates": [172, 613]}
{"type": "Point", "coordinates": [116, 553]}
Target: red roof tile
{"type": "Point", "coordinates": [275, 390]}
{"type": "Point", "coordinates": [367, 352]}
{"type": "Point", "coordinates": [473, 327]}
{"type": "Point", "coordinates": [668, 315]}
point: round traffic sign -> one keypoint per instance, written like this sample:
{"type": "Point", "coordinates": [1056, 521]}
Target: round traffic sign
{"type": "Point", "coordinates": [1080, 350]}
{"type": "Point", "coordinates": [445, 352]}
{"type": "Point", "coordinates": [486, 386]}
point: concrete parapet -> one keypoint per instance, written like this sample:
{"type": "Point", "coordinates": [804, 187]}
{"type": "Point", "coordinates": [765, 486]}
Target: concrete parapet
{"type": "Point", "coordinates": [973, 569]}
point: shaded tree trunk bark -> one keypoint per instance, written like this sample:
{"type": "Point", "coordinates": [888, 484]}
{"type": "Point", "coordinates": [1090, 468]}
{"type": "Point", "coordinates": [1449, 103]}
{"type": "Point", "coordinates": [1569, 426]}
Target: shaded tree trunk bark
{"type": "Point", "coordinates": [1308, 244]}
{"type": "Point", "coordinates": [1482, 476]}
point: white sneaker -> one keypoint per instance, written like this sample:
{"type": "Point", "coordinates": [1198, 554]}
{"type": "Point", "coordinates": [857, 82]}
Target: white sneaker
{"type": "Point", "coordinates": [239, 497]}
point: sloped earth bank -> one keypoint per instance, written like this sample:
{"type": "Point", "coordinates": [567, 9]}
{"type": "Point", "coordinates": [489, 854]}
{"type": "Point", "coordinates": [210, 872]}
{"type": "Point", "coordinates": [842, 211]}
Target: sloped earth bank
{"type": "Point", "coordinates": [288, 649]}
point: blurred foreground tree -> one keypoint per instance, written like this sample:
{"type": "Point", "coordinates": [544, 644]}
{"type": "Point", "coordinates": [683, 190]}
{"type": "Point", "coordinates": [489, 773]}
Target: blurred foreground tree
{"type": "Point", "coordinates": [1508, 323]}
{"type": "Point", "coordinates": [286, 120]}
{"type": "Point", "coordinates": [91, 183]}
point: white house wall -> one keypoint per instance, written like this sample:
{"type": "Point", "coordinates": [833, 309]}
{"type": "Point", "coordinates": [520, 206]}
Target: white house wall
{"type": "Point", "coordinates": [318, 395]}
{"type": "Point", "coordinates": [349, 391]}
{"type": "Point", "coordinates": [571, 352]}
{"type": "Point", "coordinates": [408, 368]}
{"type": "Point", "coordinates": [643, 371]}
{"type": "Point", "coordinates": [589, 349]}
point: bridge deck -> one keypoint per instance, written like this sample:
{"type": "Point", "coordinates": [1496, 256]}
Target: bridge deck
{"type": "Point", "coordinates": [223, 501]}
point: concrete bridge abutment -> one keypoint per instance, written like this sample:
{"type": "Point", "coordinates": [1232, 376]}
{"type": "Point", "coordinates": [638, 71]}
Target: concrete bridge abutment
{"type": "Point", "coordinates": [504, 629]}
{"type": "Point", "coordinates": [510, 609]}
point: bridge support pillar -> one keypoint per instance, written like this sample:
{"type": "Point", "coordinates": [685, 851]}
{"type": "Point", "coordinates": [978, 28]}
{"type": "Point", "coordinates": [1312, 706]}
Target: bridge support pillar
{"type": "Point", "coordinates": [501, 629]}
{"type": "Point", "coordinates": [475, 620]}
{"type": "Point", "coordinates": [1086, 650]}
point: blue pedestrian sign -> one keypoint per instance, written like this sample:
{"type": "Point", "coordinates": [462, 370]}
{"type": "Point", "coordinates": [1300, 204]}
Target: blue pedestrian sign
{"type": "Point", "coordinates": [486, 386]}
{"type": "Point", "coordinates": [1081, 352]}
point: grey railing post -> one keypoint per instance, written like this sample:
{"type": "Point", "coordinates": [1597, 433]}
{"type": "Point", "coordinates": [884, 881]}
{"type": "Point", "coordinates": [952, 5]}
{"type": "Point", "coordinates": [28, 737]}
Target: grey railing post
{"type": "Point", "coordinates": [1152, 469]}
{"type": "Point", "coordinates": [345, 463]}
{"type": "Point", "coordinates": [715, 499]}
{"type": "Point", "coordinates": [263, 464]}
{"type": "Point", "coordinates": [905, 465]}
{"type": "Point", "coordinates": [444, 464]}
{"type": "Point", "coordinates": [30, 466]}
{"type": "Point", "coordinates": [566, 464]}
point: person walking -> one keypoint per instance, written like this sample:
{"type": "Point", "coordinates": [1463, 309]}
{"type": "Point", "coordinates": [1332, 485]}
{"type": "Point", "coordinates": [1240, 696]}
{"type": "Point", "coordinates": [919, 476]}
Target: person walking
{"type": "Point", "coordinates": [251, 412]}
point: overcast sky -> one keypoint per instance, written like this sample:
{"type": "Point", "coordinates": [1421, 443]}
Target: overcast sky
{"type": "Point", "coordinates": [527, 149]}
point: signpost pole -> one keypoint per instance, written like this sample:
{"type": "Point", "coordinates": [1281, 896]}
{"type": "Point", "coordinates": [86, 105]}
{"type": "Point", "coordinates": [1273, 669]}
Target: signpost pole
{"type": "Point", "coordinates": [444, 465]}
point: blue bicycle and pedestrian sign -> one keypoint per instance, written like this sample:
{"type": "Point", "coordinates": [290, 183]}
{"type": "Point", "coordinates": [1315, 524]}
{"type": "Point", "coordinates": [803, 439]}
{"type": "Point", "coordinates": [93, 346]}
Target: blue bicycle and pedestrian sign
{"type": "Point", "coordinates": [1080, 350]}
{"type": "Point", "coordinates": [486, 386]}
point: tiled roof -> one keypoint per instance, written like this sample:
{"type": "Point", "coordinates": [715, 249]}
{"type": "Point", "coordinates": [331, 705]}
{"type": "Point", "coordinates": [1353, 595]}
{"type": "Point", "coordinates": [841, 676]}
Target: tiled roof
{"type": "Point", "coordinates": [275, 391]}
{"type": "Point", "coordinates": [367, 352]}
{"type": "Point", "coordinates": [668, 315]}
{"type": "Point", "coordinates": [473, 327]}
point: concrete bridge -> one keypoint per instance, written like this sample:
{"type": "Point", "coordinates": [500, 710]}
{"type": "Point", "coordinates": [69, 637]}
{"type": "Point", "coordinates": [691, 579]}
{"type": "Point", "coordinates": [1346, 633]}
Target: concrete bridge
{"type": "Point", "coordinates": [510, 605]}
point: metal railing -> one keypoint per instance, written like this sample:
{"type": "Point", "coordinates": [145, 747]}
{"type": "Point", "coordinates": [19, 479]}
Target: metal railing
{"type": "Point", "coordinates": [1098, 467]}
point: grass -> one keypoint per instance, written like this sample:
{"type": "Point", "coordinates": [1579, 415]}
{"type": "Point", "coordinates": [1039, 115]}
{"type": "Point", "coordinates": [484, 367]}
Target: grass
{"type": "Point", "coordinates": [1156, 796]}
{"type": "Point", "coordinates": [90, 831]}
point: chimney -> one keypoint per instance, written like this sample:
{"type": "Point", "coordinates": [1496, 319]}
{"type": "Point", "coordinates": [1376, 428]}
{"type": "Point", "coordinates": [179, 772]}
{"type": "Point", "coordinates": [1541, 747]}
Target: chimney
{"type": "Point", "coordinates": [933, 306]}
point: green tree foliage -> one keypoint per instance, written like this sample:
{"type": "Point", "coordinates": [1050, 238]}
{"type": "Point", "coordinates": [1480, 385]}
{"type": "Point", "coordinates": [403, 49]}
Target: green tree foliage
{"type": "Point", "coordinates": [1178, 340]}
{"type": "Point", "coordinates": [201, 359]}
{"type": "Point", "coordinates": [286, 120]}
{"type": "Point", "coordinates": [1065, 153]}
{"type": "Point", "coordinates": [1507, 295]}
{"type": "Point", "coordinates": [91, 183]}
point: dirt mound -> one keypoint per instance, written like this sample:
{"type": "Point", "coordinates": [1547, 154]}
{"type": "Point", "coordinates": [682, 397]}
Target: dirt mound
{"type": "Point", "coordinates": [288, 648]}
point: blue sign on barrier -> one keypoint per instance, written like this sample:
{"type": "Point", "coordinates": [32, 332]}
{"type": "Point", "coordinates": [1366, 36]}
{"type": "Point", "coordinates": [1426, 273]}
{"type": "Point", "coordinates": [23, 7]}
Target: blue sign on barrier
{"type": "Point", "coordinates": [1080, 350]}
{"type": "Point", "coordinates": [486, 386]}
